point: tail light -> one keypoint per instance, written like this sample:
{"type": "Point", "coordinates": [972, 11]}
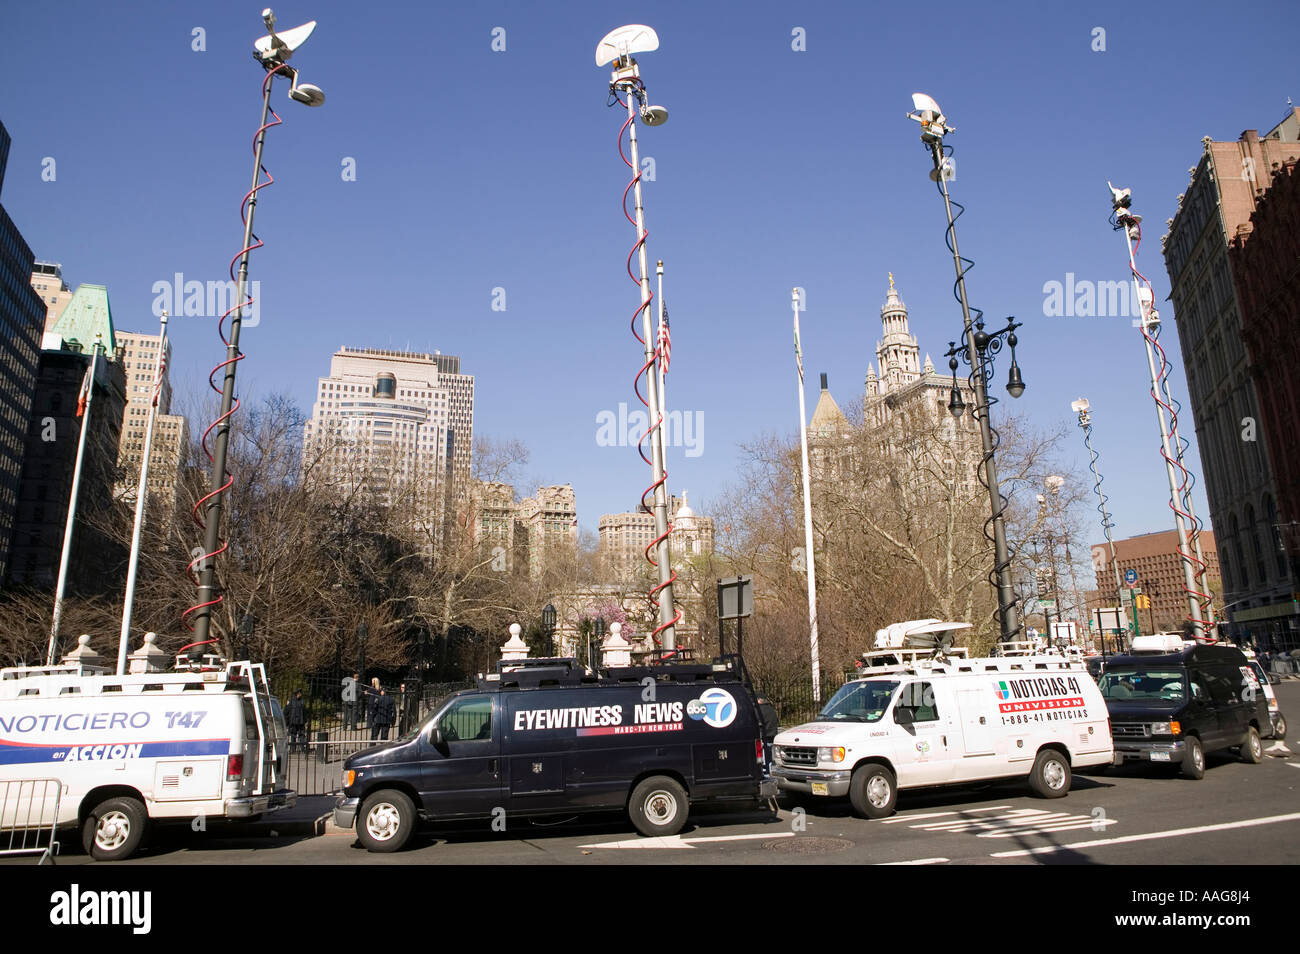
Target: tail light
{"type": "Point", "coordinates": [234, 768]}
{"type": "Point", "coordinates": [758, 750]}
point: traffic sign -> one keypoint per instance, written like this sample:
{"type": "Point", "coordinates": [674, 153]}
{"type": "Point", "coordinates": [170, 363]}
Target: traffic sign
{"type": "Point", "coordinates": [1130, 577]}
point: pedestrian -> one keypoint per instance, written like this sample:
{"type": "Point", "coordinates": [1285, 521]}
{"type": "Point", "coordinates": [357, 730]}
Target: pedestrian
{"type": "Point", "coordinates": [295, 714]}
{"type": "Point", "coordinates": [403, 710]}
{"type": "Point", "coordinates": [350, 700]}
{"type": "Point", "coordinates": [385, 714]}
{"type": "Point", "coordinates": [372, 700]}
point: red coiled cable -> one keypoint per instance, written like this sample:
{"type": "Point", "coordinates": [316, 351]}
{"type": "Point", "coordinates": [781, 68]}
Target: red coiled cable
{"type": "Point", "coordinates": [652, 414]}
{"type": "Point", "coordinates": [245, 302]}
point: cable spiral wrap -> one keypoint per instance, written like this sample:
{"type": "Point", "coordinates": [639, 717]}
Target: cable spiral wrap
{"type": "Point", "coordinates": [995, 345]}
{"type": "Point", "coordinates": [652, 414]}
{"type": "Point", "coordinates": [1180, 502]}
{"type": "Point", "coordinates": [196, 566]}
{"type": "Point", "coordinates": [1106, 525]}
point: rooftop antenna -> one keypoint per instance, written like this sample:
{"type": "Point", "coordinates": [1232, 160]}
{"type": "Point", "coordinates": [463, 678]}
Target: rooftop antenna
{"type": "Point", "coordinates": [626, 88]}
{"type": "Point", "coordinates": [1200, 606]}
{"type": "Point", "coordinates": [272, 52]}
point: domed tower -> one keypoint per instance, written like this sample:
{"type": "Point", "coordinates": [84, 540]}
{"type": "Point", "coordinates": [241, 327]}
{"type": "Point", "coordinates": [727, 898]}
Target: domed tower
{"type": "Point", "coordinates": [897, 352]}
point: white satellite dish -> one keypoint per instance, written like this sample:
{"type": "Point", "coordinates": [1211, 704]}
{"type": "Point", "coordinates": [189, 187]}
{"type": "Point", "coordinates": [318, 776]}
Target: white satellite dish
{"type": "Point", "coordinates": [626, 40]}
{"type": "Point", "coordinates": [925, 104]}
{"type": "Point", "coordinates": [280, 46]}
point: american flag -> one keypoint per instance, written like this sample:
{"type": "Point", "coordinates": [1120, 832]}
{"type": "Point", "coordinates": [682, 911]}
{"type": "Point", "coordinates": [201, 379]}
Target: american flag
{"type": "Point", "coordinates": [665, 341]}
{"type": "Point", "coordinates": [83, 395]}
{"type": "Point", "coordinates": [162, 367]}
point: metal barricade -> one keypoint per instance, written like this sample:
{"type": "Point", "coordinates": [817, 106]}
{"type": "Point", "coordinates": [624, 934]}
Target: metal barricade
{"type": "Point", "coordinates": [29, 814]}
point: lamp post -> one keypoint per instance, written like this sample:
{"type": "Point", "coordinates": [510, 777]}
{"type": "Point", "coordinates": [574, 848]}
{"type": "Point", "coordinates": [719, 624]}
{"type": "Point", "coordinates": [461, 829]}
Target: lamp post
{"type": "Point", "coordinates": [977, 351]}
{"type": "Point", "coordinates": [548, 628]}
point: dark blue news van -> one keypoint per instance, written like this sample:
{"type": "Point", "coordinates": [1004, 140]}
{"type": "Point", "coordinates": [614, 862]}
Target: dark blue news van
{"type": "Point", "coordinates": [543, 737]}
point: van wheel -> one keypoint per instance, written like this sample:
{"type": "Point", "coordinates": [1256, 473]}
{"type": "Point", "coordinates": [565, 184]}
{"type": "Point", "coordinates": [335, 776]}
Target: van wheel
{"type": "Point", "coordinates": [1279, 727]}
{"type": "Point", "coordinates": [1194, 759]}
{"type": "Point", "coordinates": [658, 806]}
{"type": "Point", "coordinates": [114, 829]}
{"type": "Point", "coordinates": [873, 791]}
{"type": "Point", "coordinates": [386, 821]}
{"type": "Point", "coordinates": [1050, 777]}
{"type": "Point", "coordinates": [1252, 750]}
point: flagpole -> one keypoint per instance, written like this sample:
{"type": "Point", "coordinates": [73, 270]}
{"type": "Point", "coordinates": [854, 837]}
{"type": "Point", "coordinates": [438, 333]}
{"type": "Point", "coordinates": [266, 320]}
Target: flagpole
{"type": "Point", "coordinates": [807, 513]}
{"type": "Point", "coordinates": [140, 493]}
{"type": "Point", "coordinates": [72, 506]}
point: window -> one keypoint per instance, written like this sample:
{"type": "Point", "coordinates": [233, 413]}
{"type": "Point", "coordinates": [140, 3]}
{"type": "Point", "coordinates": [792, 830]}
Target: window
{"type": "Point", "coordinates": [467, 719]}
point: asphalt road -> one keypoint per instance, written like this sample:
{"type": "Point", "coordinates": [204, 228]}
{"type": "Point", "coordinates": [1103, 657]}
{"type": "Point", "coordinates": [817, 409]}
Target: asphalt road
{"type": "Point", "coordinates": [1136, 814]}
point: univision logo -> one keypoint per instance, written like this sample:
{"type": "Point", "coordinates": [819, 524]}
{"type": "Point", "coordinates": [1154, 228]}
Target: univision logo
{"type": "Point", "coordinates": [1003, 691]}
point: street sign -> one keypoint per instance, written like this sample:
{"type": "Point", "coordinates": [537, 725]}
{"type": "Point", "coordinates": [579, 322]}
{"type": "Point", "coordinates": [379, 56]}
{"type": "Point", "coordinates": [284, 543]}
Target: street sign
{"type": "Point", "coordinates": [1130, 578]}
{"type": "Point", "coordinates": [735, 597]}
{"type": "Point", "coordinates": [1047, 605]}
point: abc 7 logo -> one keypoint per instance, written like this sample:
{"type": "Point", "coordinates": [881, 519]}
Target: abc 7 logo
{"type": "Point", "coordinates": [715, 707]}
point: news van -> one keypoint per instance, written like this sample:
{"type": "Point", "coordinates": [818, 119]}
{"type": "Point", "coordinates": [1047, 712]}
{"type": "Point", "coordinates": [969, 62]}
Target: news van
{"type": "Point", "coordinates": [135, 749]}
{"type": "Point", "coordinates": [935, 720]}
{"type": "Point", "coordinates": [545, 737]}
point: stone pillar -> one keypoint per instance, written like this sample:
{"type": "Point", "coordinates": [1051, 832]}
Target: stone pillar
{"type": "Point", "coordinates": [83, 655]}
{"type": "Point", "coordinates": [616, 650]}
{"type": "Point", "coordinates": [515, 648]}
{"type": "Point", "coordinates": [148, 658]}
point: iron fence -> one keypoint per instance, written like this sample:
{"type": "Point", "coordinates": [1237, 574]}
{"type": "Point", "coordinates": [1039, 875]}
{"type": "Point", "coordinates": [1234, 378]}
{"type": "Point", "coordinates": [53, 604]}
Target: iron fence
{"type": "Point", "coordinates": [29, 812]}
{"type": "Point", "coordinates": [333, 730]}
{"type": "Point", "coordinates": [792, 695]}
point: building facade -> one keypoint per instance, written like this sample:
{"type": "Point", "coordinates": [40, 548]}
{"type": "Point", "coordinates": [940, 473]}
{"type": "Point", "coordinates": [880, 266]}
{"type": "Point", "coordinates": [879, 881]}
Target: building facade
{"type": "Point", "coordinates": [1226, 188]}
{"type": "Point", "coordinates": [398, 424]}
{"type": "Point", "coordinates": [625, 536]}
{"type": "Point", "coordinates": [1265, 259]}
{"type": "Point", "coordinates": [22, 322]}
{"type": "Point", "coordinates": [53, 435]}
{"type": "Point", "coordinates": [1159, 568]}
{"type": "Point", "coordinates": [141, 355]}
{"type": "Point", "coordinates": [47, 279]}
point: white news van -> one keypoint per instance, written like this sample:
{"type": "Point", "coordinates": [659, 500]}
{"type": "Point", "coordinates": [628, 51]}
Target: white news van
{"type": "Point", "coordinates": [133, 748]}
{"type": "Point", "coordinates": [935, 720]}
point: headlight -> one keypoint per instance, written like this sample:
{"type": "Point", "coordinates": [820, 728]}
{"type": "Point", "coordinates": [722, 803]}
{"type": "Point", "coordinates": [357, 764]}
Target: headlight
{"type": "Point", "coordinates": [778, 752]}
{"type": "Point", "coordinates": [830, 754]}
{"type": "Point", "coordinates": [1166, 728]}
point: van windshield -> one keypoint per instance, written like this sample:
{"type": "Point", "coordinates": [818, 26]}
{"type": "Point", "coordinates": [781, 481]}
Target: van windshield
{"type": "Point", "coordinates": [859, 702]}
{"type": "Point", "coordinates": [1144, 685]}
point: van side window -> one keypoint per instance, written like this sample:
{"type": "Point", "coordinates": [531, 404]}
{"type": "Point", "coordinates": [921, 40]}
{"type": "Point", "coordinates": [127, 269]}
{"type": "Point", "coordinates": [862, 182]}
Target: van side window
{"type": "Point", "coordinates": [1222, 685]}
{"type": "Point", "coordinates": [919, 697]}
{"type": "Point", "coordinates": [1200, 688]}
{"type": "Point", "coordinates": [467, 719]}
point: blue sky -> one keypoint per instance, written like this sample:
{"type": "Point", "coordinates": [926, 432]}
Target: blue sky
{"type": "Point", "coordinates": [478, 169]}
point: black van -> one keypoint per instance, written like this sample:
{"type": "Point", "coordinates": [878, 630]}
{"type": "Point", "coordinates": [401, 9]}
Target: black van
{"type": "Point", "coordinates": [543, 737]}
{"type": "Point", "coordinates": [1173, 707]}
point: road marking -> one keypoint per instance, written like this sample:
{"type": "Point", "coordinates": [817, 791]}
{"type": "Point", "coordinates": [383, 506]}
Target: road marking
{"type": "Point", "coordinates": [1019, 821]}
{"type": "Point", "coordinates": [677, 841]}
{"type": "Point", "coordinates": [964, 811]}
{"type": "Point", "coordinates": [1150, 836]}
{"type": "Point", "coordinates": [919, 861]}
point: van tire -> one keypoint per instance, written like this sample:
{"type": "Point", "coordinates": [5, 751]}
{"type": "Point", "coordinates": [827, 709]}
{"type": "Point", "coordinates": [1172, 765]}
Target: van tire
{"type": "Point", "coordinates": [658, 806]}
{"type": "Point", "coordinates": [1050, 777]}
{"type": "Point", "coordinates": [114, 828]}
{"type": "Point", "coordinates": [1193, 759]}
{"type": "Point", "coordinates": [386, 821]}
{"type": "Point", "coordinates": [1252, 750]}
{"type": "Point", "coordinates": [873, 792]}
{"type": "Point", "coordinates": [1279, 727]}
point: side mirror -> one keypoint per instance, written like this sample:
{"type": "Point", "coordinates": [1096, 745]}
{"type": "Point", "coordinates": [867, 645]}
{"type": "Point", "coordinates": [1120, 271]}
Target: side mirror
{"type": "Point", "coordinates": [904, 715]}
{"type": "Point", "coordinates": [436, 736]}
